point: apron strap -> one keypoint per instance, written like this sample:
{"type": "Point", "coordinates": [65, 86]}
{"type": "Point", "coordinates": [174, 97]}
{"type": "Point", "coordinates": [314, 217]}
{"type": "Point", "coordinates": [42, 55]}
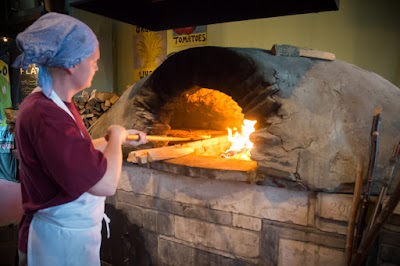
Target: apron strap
{"type": "Point", "coordinates": [107, 220]}
{"type": "Point", "coordinates": [57, 100]}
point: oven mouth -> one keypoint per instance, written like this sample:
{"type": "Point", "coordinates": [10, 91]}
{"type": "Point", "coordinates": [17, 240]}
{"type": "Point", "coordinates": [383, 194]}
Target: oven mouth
{"type": "Point", "coordinates": [201, 158]}
{"type": "Point", "coordinates": [213, 122]}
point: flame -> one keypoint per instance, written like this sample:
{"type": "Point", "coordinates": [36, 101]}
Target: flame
{"type": "Point", "coordinates": [240, 142]}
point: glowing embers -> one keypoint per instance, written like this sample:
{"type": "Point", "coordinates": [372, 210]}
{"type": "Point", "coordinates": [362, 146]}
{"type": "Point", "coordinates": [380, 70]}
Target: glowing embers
{"type": "Point", "coordinates": [240, 142]}
{"type": "Point", "coordinates": [202, 109]}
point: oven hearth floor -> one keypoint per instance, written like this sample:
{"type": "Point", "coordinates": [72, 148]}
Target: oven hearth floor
{"type": "Point", "coordinates": [209, 167]}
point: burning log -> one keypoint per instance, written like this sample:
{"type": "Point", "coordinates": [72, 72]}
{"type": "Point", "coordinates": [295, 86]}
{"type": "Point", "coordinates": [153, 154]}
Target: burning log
{"type": "Point", "coordinates": [240, 142]}
{"type": "Point", "coordinates": [233, 153]}
{"type": "Point", "coordinates": [92, 106]}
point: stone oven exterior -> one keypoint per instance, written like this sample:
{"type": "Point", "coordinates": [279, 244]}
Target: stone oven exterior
{"type": "Point", "coordinates": [314, 121]}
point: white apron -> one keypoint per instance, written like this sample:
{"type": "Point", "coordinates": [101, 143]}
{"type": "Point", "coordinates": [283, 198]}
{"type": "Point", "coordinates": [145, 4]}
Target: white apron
{"type": "Point", "coordinates": [68, 234]}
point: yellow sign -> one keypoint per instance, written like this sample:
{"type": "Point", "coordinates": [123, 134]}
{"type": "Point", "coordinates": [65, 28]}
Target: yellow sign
{"type": "Point", "coordinates": [149, 51]}
{"type": "Point", "coordinates": [5, 94]}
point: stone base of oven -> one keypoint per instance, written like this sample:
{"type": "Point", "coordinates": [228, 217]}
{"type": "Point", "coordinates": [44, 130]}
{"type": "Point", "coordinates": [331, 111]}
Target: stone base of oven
{"type": "Point", "coordinates": [161, 218]}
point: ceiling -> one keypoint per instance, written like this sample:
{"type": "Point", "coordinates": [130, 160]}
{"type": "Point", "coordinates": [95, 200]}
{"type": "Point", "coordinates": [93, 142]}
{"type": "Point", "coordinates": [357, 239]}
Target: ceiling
{"type": "Point", "coordinates": [169, 14]}
{"type": "Point", "coordinates": [159, 15]}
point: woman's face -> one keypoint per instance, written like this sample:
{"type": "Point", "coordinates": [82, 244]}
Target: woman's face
{"type": "Point", "coordinates": [84, 71]}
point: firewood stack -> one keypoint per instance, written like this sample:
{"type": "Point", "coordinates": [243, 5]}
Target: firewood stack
{"type": "Point", "coordinates": [92, 106]}
{"type": "Point", "coordinates": [11, 118]}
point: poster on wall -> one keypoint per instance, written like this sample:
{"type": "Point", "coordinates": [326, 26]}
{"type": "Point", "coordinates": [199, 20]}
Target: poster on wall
{"type": "Point", "coordinates": [5, 93]}
{"type": "Point", "coordinates": [28, 79]}
{"type": "Point", "coordinates": [195, 35]}
{"type": "Point", "coordinates": [149, 51]}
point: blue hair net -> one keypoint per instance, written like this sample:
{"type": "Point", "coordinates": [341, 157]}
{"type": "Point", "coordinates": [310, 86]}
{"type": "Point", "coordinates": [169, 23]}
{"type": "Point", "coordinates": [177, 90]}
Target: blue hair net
{"type": "Point", "coordinates": [54, 40]}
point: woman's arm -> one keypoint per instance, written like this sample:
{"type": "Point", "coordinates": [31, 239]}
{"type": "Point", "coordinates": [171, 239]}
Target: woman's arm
{"type": "Point", "coordinates": [111, 148]}
{"type": "Point", "coordinates": [100, 144]}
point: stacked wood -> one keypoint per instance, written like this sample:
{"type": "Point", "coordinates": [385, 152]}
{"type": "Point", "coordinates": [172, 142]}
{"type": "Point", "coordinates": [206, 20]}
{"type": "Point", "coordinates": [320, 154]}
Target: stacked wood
{"type": "Point", "coordinates": [158, 154]}
{"type": "Point", "coordinates": [11, 118]}
{"type": "Point", "coordinates": [193, 141]}
{"type": "Point", "coordinates": [92, 106]}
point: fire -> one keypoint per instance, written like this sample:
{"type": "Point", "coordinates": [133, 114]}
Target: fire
{"type": "Point", "coordinates": [240, 142]}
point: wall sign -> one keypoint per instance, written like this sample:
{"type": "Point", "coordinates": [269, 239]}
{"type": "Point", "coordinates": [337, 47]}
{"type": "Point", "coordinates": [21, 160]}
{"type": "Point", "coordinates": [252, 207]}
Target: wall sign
{"type": "Point", "coordinates": [28, 80]}
{"type": "Point", "coordinates": [195, 35]}
{"type": "Point", "coordinates": [149, 51]}
{"type": "Point", "coordinates": [5, 93]}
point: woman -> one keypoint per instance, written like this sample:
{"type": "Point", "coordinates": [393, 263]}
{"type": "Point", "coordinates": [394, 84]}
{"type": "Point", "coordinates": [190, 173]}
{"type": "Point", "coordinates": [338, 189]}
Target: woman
{"type": "Point", "coordinates": [65, 176]}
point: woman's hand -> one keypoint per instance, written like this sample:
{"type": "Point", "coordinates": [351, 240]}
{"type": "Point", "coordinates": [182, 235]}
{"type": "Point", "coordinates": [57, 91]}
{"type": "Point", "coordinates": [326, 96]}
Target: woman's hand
{"type": "Point", "coordinates": [142, 138]}
{"type": "Point", "coordinates": [117, 132]}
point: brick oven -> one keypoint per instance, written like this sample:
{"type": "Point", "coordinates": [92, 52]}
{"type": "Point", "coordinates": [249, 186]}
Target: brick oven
{"type": "Point", "coordinates": [290, 203]}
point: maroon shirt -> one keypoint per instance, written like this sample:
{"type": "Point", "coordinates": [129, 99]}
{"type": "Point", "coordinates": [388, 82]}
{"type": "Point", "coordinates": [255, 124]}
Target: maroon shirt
{"type": "Point", "coordinates": [57, 164]}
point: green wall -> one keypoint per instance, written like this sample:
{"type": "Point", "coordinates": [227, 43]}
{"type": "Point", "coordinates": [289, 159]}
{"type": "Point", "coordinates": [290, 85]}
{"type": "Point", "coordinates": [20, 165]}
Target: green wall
{"type": "Point", "coordinates": [365, 33]}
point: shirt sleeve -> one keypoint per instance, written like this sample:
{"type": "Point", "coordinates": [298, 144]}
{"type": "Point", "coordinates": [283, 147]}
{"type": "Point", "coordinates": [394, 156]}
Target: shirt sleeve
{"type": "Point", "coordinates": [68, 157]}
